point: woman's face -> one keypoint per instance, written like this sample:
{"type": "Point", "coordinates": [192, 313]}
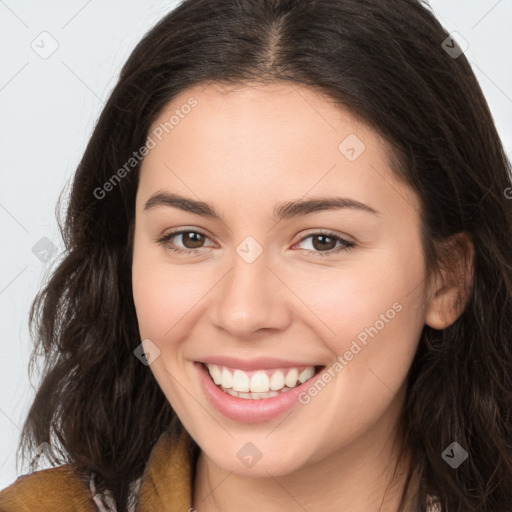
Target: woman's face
{"type": "Point", "coordinates": [268, 286]}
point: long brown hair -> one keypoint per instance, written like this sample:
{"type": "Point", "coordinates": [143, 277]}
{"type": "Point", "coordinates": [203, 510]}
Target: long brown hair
{"type": "Point", "coordinates": [386, 62]}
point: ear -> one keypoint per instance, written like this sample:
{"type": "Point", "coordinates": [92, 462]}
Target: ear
{"type": "Point", "coordinates": [453, 282]}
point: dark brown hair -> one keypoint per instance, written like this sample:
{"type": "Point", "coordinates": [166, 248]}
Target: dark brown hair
{"type": "Point", "coordinates": [385, 62]}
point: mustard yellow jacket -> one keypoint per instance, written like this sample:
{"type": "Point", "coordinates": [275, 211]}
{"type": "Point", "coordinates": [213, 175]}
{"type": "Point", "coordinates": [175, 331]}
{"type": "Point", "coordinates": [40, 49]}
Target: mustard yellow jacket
{"type": "Point", "coordinates": [166, 484]}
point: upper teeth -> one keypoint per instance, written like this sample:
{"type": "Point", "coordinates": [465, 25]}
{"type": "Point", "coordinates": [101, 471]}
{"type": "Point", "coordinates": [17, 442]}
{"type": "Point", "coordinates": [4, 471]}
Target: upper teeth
{"type": "Point", "coordinates": [261, 381]}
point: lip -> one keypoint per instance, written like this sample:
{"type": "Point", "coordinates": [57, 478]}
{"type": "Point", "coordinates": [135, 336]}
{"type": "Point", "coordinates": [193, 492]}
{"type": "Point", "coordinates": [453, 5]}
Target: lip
{"type": "Point", "coordinates": [246, 410]}
{"type": "Point", "coordinates": [261, 363]}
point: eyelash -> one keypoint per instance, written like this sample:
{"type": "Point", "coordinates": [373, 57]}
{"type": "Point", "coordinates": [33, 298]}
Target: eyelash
{"type": "Point", "coordinates": [346, 247]}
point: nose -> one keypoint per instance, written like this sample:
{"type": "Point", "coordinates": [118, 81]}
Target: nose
{"type": "Point", "coordinates": [251, 297]}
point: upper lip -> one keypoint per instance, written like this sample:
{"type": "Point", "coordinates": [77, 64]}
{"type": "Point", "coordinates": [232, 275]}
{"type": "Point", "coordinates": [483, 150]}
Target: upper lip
{"type": "Point", "coordinates": [259, 363]}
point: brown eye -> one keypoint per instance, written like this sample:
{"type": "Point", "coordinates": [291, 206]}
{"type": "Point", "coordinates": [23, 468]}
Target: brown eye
{"type": "Point", "coordinates": [191, 241]}
{"type": "Point", "coordinates": [324, 244]}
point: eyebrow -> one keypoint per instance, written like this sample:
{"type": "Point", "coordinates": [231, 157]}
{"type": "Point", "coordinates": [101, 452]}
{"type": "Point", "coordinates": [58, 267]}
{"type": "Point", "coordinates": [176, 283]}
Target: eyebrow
{"type": "Point", "coordinates": [282, 211]}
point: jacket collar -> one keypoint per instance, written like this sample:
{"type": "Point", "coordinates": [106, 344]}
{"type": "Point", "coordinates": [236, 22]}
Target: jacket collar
{"type": "Point", "coordinates": [167, 482]}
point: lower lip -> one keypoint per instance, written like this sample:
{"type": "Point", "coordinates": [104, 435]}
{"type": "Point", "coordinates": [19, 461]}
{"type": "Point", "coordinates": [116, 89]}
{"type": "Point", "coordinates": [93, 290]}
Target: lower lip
{"type": "Point", "coordinates": [248, 410]}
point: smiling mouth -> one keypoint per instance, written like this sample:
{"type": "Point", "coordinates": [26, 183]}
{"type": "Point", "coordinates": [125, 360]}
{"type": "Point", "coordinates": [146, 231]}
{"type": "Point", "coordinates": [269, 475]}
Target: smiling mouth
{"type": "Point", "coordinates": [260, 384]}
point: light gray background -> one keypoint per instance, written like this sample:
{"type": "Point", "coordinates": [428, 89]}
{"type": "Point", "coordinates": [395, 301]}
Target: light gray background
{"type": "Point", "coordinates": [49, 107]}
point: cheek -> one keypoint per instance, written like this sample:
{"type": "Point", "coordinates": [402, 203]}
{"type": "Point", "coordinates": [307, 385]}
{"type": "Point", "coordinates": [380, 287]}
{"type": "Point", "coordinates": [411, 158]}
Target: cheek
{"type": "Point", "coordinates": [161, 298]}
{"type": "Point", "coordinates": [155, 292]}
{"type": "Point", "coordinates": [344, 304]}
{"type": "Point", "coordinates": [165, 295]}
{"type": "Point", "coordinates": [372, 310]}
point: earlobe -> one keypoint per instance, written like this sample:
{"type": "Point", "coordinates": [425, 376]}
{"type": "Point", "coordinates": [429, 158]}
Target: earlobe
{"type": "Point", "coordinates": [452, 283]}
{"type": "Point", "coordinates": [442, 310]}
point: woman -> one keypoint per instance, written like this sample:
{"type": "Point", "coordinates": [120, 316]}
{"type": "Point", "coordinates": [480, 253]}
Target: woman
{"type": "Point", "coordinates": [287, 283]}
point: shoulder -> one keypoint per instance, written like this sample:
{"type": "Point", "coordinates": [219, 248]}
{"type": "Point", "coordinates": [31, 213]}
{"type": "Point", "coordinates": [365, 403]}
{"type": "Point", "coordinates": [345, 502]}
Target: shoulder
{"type": "Point", "coordinates": [56, 488]}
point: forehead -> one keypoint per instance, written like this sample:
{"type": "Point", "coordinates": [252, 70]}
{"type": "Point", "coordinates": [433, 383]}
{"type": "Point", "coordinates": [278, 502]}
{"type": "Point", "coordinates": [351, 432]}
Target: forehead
{"type": "Point", "coordinates": [262, 139]}
{"type": "Point", "coordinates": [276, 116]}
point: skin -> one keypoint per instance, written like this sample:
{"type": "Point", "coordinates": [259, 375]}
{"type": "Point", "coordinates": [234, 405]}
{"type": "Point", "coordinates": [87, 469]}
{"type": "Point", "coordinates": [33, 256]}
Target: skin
{"type": "Point", "coordinates": [244, 150]}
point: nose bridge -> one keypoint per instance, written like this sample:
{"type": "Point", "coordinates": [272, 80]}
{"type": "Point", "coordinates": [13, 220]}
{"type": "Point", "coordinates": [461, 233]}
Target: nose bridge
{"type": "Point", "coordinates": [250, 297]}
